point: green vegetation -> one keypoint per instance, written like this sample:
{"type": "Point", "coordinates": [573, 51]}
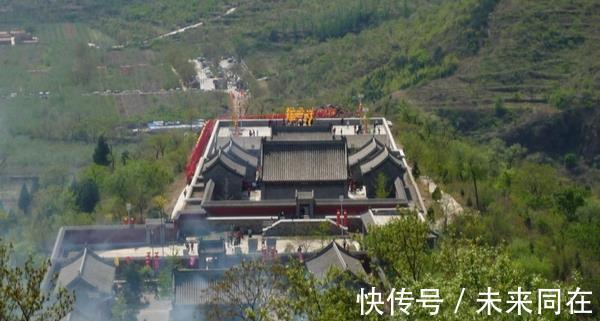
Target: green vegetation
{"type": "Point", "coordinates": [458, 263]}
{"type": "Point", "coordinates": [86, 194]}
{"type": "Point", "coordinates": [402, 244]}
{"type": "Point", "coordinates": [537, 217]}
{"type": "Point", "coordinates": [127, 301]}
{"type": "Point", "coordinates": [437, 194]}
{"type": "Point", "coordinates": [138, 182]}
{"type": "Point", "coordinates": [381, 184]}
{"type": "Point", "coordinates": [102, 152]}
{"type": "Point", "coordinates": [24, 199]}
{"type": "Point", "coordinates": [268, 291]}
{"type": "Point", "coordinates": [251, 287]}
{"type": "Point", "coordinates": [95, 194]}
{"type": "Point", "coordinates": [21, 297]}
{"type": "Point", "coordinates": [181, 65]}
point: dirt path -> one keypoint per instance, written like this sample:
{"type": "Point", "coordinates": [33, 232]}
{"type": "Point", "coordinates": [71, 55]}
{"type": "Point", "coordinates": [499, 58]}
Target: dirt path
{"type": "Point", "coordinates": [193, 26]}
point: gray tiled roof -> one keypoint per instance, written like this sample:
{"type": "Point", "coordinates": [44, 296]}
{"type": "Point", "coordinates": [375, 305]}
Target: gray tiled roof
{"type": "Point", "coordinates": [194, 287]}
{"type": "Point", "coordinates": [208, 191]}
{"type": "Point", "coordinates": [90, 269]}
{"type": "Point", "coordinates": [302, 136]}
{"type": "Point", "coordinates": [226, 161]}
{"type": "Point", "coordinates": [368, 149]}
{"type": "Point", "coordinates": [334, 256]}
{"type": "Point", "coordinates": [304, 161]}
{"type": "Point", "coordinates": [400, 190]}
{"type": "Point", "coordinates": [235, 151]}
{"type": "Point", "coordinates": [379, 159]}
{"type": "Point", "coordinates": [367, 220]}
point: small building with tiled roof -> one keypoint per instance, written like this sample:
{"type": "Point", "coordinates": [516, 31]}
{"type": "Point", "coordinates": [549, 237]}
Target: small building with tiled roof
{"type": "Point", "coordinates": [89, 271]}
{"type": "Point", "coordinates": [192, 293]}
{"type": "Point", "coordinates": [228, 175]}
{"type": "Point", "coordinates": [92, 281]}
{"type": "Point", "coordinates": [363, 155]}
{"type": "Point", "coordinates": [365, 152]}
{"type": "Point", "coordinates": [387, 164]}
{"type": "Point", "coordinates": [334, 256]}
{"type": "Point", "coordinates": [238, 153]}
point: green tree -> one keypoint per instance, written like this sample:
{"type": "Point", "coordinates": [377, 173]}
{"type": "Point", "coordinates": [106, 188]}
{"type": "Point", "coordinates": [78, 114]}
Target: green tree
{"type": "Point", "coordinates": [437, 194]}
{"type": "Point", "coordinates": [562, 98]}
{"type": "Point", "coordinates": [165, 276]}
{"type": "Point", "coordinates": [125, 157]}
{"type": "Point", "coordinates": [21, 295]}
{"type": "Point", "coordinates": [431, 215]}
{"type": "Point", "coordinates": [87, 195]}
{"type": "Point", "coordinates": [121, 310]}
{"type": "Point", "coordinates": [476, 167]}
{"type": "Point", "coordinates": [534, 185]}
{"type": "Point", "coordinates": [570, 160]}
{"type": "Point", "coordinates": [416, 171]}
{"type": "Point", "coordinates": [250, 290]}
{"type": "Point", "coordinates": [138, 182]}
{"type": "Point", "coordinates": [102, 152]}
{"type": "Point", "coordinates": [332, 298]}
{"type": "Point", "coordinates": [159, 143]}
{"type": "Point", "coordinates": [466, 264]}
{"type": "Point", "coordinates": [514, 153]}
{"type": "Point", "coordinates": [24, 201]}
{"type": "Point", "coordinates": [132, 291]}
{"type": "Point", "coordinates": [381, 189]}
{"type": "Point", "coordinates": [176, 58]}
{"type": "Point", "coordinates": [401, 245]}
{"type": "Point", "coordinates": [322, 233]}
{"type": "Point", "coordinates": [568, 200]}
{"type": "Point", "coordinates": [500, 109]}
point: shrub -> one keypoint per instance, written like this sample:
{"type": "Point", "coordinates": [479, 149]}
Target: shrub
{"type": "Point", "coordinates": [570, 160]}
{"type": "Point", "coordinates": [562, 98]}
{"type": "Point", "coordinates": [437, 194]}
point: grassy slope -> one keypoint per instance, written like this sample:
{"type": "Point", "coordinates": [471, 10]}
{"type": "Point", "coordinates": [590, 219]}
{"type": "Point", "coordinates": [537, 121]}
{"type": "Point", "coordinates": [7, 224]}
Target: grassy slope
{"type": "Point", "coordinates": [534, 48]}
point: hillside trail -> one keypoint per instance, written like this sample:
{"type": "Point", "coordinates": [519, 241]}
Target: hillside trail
{"type": "Point", "coordinates": [192, 26]}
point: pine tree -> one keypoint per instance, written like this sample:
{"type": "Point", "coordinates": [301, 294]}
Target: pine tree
{"type": "Point", "coordinates": [416, 172]}
{"type": "Point", "coordinates": [102, 152]}
{"type": "Point", "coordinates": [125, 157]}
{"type": "Point", "coordinates": [24, 199]}
{"type": "Point", "coordinates": [86, 195]}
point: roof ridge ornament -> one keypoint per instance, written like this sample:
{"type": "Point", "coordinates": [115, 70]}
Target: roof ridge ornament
{"type": "Point", "coordinates": [84, 256]}
{"type": "Point", "coordinates": [339, 254]}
